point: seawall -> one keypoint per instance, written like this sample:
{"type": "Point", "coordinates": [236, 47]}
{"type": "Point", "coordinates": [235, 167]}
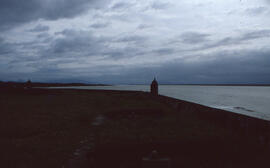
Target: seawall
{"type": "Point", "coordinates": [249, 127]}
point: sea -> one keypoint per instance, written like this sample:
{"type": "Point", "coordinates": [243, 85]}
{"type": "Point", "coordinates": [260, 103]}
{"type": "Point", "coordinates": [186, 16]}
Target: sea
{"type": "Point", "coordinates": [248, 100]}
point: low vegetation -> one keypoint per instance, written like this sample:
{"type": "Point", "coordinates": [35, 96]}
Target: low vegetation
{"type": "Point", "coordinates": [43, 128]}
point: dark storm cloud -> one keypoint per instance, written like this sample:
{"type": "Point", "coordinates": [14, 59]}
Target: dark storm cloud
{"type": "Point", "coordinates": [164, 51]}
{"type": "Point", "coordinates": [132, 38]}
{"type": "Point", "coordinates": [18, 53]}
{"type": "Point", "coordinates": [120, 5]}
{"type": "Point", "coordinates": [194, 37]}
{"type": "Point", "coordinates": [40, 28]}
{"type": "Point", "coordinates": [229, 41]}
{"type": "Point", "coordinates": [158, 5]}
{"type": "Point", "coordinates": [205, 42]}
{"type": "Point", "coordinates": [268, 1]}
{"type": "Point", "coordinates": [45, 37]}
{"type": "Point", "coordinates": [247, 67]}
{"type": "Point", "coordinates": [256, 35]}
{"type": "Point", "coordinates": [66, 48]}
{"type": "Point", "coordinates": [144, 26]}
{"type": "Point", "coordinates": [128, 42]}
{"type": "Point", "coordinates": [115, 54]}
{"type": "Point", "coordinates": [251, 66]}
{"type": "Point", "coordinates": [119, 53]}
{"type": "Point", "coordinates": [223, 42]}
{"type": "Point", "coordinates": [5, 47]}
{"type": "Point", "coordinates": [100, 25]}
{"type": "Point", "coordinates": [14, 12]}
{"type": "Point", "coordinates": [80, 42]}
{"type": "Point", "coordinates": [256, 10]}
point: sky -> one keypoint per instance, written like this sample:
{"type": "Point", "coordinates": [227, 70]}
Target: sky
{"type": "Point", "coordinates": [131, 42]}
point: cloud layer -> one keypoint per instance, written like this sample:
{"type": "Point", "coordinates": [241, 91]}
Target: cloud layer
{"type": "Point", "coordinates": [14, 12]}
{"type": "Point", "coordinates": [114, 41]}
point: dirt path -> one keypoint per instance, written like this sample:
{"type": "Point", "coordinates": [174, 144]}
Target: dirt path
{"type": "Point", "coordinates": [81, 158]}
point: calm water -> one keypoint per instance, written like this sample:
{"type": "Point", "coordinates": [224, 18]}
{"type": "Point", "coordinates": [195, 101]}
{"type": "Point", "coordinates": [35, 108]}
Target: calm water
{"type": "Point", "coordinates": [248, 100]}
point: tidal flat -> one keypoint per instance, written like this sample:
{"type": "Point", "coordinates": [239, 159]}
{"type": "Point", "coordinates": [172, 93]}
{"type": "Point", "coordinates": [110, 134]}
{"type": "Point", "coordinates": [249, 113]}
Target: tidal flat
{"type": "Point", "coordinates": [45, 127]}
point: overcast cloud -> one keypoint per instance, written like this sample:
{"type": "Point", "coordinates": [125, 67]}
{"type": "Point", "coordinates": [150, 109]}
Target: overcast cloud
{"type": "Point", "coordinates": [117, 41]}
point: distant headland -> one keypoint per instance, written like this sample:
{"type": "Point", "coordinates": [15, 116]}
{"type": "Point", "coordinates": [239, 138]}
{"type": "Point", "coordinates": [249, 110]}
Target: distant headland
{"type": "Point", "coordinates": [11, 84]}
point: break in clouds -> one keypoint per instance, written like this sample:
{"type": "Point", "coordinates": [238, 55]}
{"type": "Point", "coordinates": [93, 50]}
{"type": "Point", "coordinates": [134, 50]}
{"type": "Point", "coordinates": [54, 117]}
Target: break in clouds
{"type": "Point", "coordinates": [117, 41]}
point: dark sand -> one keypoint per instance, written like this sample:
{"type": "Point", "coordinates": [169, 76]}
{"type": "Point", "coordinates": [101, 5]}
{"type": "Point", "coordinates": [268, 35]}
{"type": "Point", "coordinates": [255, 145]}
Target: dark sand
{"type": "Point", "coordinates": [43, 128]}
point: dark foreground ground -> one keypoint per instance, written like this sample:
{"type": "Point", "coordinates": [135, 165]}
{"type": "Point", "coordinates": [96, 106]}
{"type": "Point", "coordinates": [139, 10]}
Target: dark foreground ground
{"type": "Point", "coordinates": [44, 128]}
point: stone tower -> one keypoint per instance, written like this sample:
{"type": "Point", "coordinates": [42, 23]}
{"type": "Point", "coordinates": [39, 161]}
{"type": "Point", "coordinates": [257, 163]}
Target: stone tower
{"type": "Point", "coordinates": [154, 87]}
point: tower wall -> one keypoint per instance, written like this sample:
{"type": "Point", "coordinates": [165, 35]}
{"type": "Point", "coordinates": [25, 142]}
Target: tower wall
{"type": "Point", "coordinates": [154, 87]}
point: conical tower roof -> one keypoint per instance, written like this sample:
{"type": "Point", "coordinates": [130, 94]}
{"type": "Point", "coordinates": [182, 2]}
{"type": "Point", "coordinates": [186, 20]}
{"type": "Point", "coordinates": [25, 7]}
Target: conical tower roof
{"type": "Point", "coordinates": [154, 82]}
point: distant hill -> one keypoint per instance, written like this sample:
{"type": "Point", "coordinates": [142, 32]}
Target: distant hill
{"type": "Point", "coordinates": [21, 85]}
